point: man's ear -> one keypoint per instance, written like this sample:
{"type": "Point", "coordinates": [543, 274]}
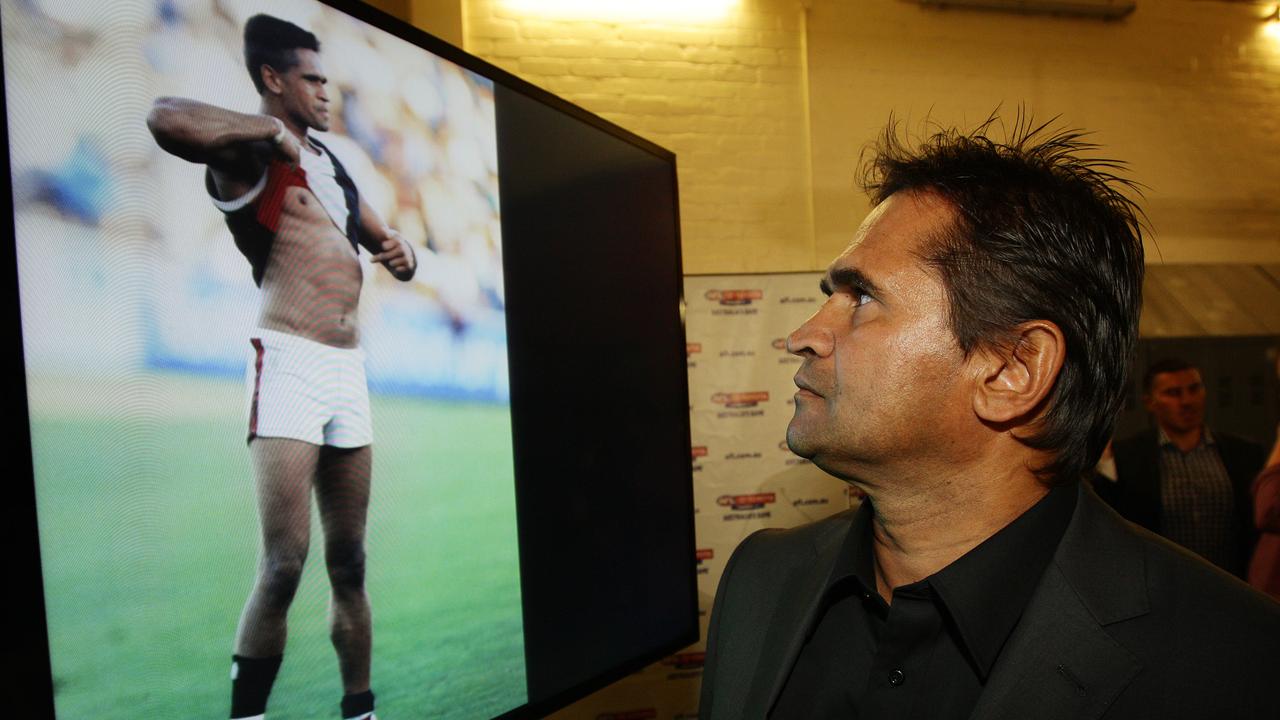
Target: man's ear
{"type": "Point", "coordinates": [1014, 379]}
{"type": "Point", "coordinates": [271, 79]}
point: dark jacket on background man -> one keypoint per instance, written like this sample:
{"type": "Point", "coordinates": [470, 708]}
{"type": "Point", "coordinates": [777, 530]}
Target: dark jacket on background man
{"type": "Point", "coordinates": [1136, 491]}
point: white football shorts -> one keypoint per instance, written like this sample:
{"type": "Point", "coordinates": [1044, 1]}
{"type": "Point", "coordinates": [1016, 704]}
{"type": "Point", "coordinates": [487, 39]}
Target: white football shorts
{"type": "Point", "coordinates": [305, 390]}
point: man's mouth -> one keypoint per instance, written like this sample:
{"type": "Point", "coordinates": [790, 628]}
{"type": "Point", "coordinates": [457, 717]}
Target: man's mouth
{"type": "Point", "coordinates": [805, 388]}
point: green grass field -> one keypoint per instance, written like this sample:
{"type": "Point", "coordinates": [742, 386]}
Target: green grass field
{"type": "Point", "coordinates": [149, 540]}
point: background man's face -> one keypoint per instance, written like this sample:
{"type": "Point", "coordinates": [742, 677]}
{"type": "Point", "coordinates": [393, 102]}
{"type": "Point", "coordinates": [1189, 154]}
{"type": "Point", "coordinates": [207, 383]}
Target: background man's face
{"type": "Point", "coordinates": [880, 378]}
{"type": "Point", "coordinates": [305, 98]}
{"type": "Point", "coordinates": [1177, 400]}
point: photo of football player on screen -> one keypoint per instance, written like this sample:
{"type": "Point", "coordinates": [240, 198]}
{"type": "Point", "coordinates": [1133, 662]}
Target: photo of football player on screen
{"type": "Point", "coordinates": [280, 234]}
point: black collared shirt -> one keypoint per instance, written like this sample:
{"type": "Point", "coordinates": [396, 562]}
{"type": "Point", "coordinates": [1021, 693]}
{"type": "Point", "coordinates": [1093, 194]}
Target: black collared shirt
{"type": "Point", "coordinates": [930, 652]}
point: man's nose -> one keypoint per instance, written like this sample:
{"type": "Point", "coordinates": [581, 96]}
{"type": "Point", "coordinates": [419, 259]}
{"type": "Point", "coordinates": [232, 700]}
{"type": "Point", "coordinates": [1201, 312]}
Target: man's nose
{"type": "Point", "coordinates": [811, 338]}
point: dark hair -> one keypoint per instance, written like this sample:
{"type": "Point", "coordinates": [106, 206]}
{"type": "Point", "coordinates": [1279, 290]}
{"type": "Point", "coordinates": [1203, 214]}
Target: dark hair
{"type": "Point", "coordinates": [1040, 234]}
{"type": "Point", "coordinates": [1161, 366]}
{"type": "Point", "coordinates": [272, 41]}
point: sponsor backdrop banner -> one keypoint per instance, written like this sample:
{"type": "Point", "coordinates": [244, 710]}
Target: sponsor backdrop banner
{"type": "Point", "coordinates": [740, 401]}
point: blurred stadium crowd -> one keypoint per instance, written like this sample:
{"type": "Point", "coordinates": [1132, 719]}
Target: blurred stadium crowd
{"type": "Point", "coordinates": [139, 240]}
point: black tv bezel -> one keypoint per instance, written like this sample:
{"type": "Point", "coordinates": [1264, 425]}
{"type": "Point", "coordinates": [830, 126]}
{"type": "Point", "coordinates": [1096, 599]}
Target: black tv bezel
{"type": "Point", "coordinates": [28, 670]}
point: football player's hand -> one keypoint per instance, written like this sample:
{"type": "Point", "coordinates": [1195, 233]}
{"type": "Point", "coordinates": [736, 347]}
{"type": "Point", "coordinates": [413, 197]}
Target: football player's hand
{"type": "Point", "coordinates": [397, 256]}
{"type": "Point", "coordinates": [286, 143]}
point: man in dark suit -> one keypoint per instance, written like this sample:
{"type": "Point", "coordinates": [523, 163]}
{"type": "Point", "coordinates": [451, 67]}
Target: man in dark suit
{"type": "Point", "coordinates": [965, 373]}
{"type": "Point", "coordinates": [1183, 481]}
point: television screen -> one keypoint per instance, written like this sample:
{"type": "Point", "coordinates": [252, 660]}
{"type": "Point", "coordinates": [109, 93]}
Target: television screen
{"type": "Point", "coordinates": [354, 369]}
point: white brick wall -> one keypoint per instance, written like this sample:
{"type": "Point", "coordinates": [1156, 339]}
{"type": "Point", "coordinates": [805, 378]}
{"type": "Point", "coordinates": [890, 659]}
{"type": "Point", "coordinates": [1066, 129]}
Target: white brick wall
{"type": "Point", "coordinates": [726, 96]}
{"type": "Point", "coordinates": [1188, 93]}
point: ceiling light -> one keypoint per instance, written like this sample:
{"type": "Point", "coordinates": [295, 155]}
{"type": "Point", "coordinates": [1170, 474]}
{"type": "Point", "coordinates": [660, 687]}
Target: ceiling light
{"type": "Point", "coordinates": [629, 10]}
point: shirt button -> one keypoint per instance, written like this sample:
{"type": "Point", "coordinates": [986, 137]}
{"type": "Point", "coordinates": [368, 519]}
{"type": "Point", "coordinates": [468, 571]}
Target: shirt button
{"type": "Point", "coordinates": [897, 677]}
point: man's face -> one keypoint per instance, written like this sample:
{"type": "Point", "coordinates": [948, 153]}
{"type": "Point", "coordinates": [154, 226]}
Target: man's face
{"type": "Point", "coordinates": [881, 378]}
{"type": "Point", "coordinates": [303, 91]}
{"type": "Point", "coordinates": [1177, 400]}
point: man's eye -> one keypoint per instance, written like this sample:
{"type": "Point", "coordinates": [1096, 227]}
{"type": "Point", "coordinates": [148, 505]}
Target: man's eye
{"type": "Point", "coordinates": [861, 297]}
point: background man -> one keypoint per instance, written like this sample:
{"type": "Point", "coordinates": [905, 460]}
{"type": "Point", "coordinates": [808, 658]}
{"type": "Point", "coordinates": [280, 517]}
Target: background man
{"type": "Point", "coordinates": [1183, 481]}
{"type": "Point", "coordinates": [954, 375]}
{"type": "Point", "coordinates": [298, 218]}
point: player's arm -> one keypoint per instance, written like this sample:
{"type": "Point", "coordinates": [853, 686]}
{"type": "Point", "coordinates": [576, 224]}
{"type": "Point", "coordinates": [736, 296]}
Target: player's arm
{"type": "Point", "coordinates": [387, 246]}
{"type": "Point", "coordinates": [223, 139]}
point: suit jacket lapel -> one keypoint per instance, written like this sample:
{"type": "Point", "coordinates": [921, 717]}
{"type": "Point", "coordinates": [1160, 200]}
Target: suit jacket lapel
{"type": "Point", "coordinates": [1060, 663]}
{"type": "Point", "coordinates": [794, 618]}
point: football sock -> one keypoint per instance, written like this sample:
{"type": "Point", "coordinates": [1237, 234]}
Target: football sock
{"type": "Point", "coordinates": [358, 706]}
{"type": "Point", "coordinates": [251, 680]}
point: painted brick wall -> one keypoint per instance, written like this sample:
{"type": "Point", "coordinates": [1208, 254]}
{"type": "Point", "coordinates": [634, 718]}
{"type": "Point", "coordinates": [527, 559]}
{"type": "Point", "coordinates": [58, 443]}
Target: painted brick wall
{"type": "Point", "coordinates": [1188, 93]}
{"type": "Point", "coordinates": [726, 95]}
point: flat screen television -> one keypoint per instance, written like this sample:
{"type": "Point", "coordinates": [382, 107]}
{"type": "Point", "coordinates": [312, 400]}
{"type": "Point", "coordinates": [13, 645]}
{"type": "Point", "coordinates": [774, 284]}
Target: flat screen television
{"type": "Point", "coordinates": [527, 530]}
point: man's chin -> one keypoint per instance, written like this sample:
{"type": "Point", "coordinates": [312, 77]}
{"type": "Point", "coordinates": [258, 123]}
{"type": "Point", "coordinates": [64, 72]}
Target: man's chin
{"type": "Point", "coordinates": [798, 442]}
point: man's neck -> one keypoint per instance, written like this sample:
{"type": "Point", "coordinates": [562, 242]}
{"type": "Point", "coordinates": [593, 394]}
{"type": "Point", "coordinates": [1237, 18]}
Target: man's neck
{"type": "Point", "coordinates": [919, 532]}
{"type": "Point", "coordinates": [1185, 440]}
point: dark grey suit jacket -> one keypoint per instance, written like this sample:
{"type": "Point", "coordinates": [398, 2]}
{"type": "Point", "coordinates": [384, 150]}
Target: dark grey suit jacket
{"type": "Point", "coordinates": [1123, 624]}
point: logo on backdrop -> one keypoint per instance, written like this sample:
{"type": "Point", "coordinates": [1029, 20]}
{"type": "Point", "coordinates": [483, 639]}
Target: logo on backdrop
{"type": "Point", "coordinates": [740, 399]}
{"type": "Point", "coordinates": [704, 554]}
{"type": "Point", "coordinates": [740, 404]}
{"type": "Point", "coordinates": [754, 501]}
{"type": "Point", "coordinates": [734, 297]}
{"type": "Point", "coordinates": [798, 300]}
{"type": "Point", "coordinates": [734, 302]}
{"type": "Point", "coordinates": [747, 507]}
{"type": "Point", "coordinates": [699, 451]}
